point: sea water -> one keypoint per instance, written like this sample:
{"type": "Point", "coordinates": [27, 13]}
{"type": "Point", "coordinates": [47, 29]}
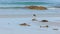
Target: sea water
{"type": "Point", "coordinates": [16, 7]}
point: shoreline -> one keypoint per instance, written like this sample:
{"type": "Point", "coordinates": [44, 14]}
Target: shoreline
{"type": "Point", "coordinates": [29, 15]}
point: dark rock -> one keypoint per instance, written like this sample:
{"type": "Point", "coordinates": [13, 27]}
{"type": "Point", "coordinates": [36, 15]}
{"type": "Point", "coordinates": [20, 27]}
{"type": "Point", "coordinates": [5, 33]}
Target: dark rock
{"type": "Point", "coordinates": [44, 21]}
{"type": "Point", "coordinates": [24, 24]}
{"type": "Point", "coordinates": [55, 29]}
{"type": "Point", "coordinates": [44, 26]}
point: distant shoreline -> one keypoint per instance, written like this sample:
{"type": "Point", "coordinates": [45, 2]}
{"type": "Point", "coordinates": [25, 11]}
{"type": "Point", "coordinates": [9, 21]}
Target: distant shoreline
{"type": "Point", "coordinates": [25, 8]}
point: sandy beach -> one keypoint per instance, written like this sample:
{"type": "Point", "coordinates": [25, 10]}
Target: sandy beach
{"type": "Point", "coordinates": [29, 16]}
{"type": "Point", "coordinates": [11, 18]}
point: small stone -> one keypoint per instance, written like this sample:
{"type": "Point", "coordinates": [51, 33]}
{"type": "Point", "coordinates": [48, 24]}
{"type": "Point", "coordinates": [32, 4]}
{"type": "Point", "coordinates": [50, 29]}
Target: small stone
{"type": "Point", "coordinates": [44, 26]}
{"type": "Point", "coordinates": [24, 24]}
{"type": "Point", "coordinates": [44, 21]}
{"type": "Point", "coordinates": [55, 29]}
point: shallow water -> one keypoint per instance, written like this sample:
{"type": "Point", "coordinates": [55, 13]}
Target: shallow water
{"type": "Point", "coordinates": [28, 11]}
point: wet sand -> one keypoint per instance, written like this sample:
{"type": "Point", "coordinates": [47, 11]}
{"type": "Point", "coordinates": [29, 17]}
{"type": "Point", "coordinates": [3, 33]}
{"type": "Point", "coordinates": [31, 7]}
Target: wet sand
{"type": "Point", "coordinates": [39, 16]}
{"type": "Point", "coordinates": [29, 15]}
{"type": "Point", "coordinates": [18, 16]}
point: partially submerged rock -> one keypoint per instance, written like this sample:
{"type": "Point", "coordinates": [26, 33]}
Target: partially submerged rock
{"type": "Point", "coordinates": [24, 24]}
{"type": "Point", "coordinates": [37, 7]}
{"type": "Point", "coordinates": [46, 26]}
{"type": "Point", "coordinates": [44, 21]}
{"type": "Point", "coordinates": [55, 29]}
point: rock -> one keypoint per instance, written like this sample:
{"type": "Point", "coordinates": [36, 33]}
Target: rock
{"type": "Point", "coordinates": [37, 7]}
{"type": "Point", "coordinates": [24, 24]}
{"type": "Point", "coordinates": [46, 26]}
{"type": "Point", "coordinates": [44, 21]}
{"type": "Point", "coordinates": [55, 29]}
